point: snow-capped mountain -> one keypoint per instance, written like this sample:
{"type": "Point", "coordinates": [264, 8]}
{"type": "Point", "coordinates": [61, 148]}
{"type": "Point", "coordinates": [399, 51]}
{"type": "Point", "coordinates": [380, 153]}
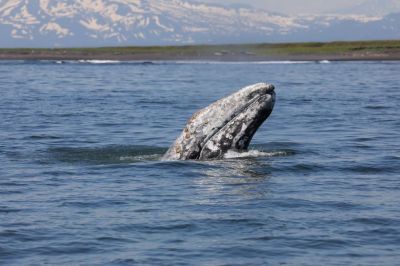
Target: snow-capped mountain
{"type": "Point", "coordinates": [52, 23]}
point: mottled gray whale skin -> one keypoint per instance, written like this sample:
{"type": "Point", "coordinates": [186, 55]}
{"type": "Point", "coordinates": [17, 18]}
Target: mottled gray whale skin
{"type": "Point", "coordinates": [228, 124]}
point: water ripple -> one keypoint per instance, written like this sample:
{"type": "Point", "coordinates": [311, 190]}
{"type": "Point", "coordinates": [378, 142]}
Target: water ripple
{"type": "Point", "coordinates": [82, 183]}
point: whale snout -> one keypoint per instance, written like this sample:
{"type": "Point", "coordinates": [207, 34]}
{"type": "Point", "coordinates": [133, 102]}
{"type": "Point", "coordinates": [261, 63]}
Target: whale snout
{"type": "Point", "coordinates": [261, 89]}
{"type": "Point", "coordinates": [260, 96]}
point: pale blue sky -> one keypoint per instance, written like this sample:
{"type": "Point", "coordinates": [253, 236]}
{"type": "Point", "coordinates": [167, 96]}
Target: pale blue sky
{"type": "Point", "coordinates": [294, 6]}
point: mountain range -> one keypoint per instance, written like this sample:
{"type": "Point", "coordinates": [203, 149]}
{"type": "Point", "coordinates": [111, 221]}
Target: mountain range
{"type": "Point", "coordinates": [80, 23]}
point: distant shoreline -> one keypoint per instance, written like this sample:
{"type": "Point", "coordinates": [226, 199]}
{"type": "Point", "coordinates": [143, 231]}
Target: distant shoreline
{"type": "Point", "coordinates": [333, 51]}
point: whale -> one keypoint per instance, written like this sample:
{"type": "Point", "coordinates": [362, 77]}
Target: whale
{"type": "Point", "coordinates": [227, 124]}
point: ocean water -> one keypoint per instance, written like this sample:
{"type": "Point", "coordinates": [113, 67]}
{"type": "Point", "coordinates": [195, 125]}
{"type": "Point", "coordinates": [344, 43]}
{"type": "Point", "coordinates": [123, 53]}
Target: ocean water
{"type": "Point", "coordinates": [82, 183]}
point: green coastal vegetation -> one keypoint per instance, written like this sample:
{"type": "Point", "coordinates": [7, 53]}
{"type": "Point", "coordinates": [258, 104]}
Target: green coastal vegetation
{"type": "Point", "coordinates": [246, 50]}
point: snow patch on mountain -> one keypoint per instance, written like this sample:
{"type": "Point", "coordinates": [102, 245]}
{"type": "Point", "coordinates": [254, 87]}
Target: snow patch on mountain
{"type": "Point", "coordinates": [52, 23]}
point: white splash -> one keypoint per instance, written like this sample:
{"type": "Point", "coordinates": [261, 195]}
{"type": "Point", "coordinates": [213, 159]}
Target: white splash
{"type": "Point", "coordinates": [139, 158]}
{"type": "Point", "coordinates": [211, 62]}
{"type": "Point", "coordinates": [282, 62]}
{"type": "Point", "coordinates": [231, 154]}
{"type": "Point", "coordinates": [99, 61]}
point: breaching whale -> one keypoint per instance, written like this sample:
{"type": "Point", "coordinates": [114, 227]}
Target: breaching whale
{"type": "Point", "coordinates": [227, 124]}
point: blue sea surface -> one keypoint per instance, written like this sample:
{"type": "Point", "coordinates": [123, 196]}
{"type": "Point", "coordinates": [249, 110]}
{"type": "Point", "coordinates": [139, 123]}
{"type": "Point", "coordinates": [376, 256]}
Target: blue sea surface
{"type": "Point", "coordinates": [82, 182]}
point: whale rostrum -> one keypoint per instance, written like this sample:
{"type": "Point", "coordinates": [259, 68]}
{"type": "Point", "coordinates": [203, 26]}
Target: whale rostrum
{"type": "Point", "coordinates": [227, 124]}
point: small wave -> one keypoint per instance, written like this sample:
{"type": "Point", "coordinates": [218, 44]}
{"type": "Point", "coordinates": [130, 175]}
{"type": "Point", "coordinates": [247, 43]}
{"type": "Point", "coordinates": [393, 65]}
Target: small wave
{"type": "Point", "coordinates": [39, 137]}
{"type": "Point", "coordinates": [212, 62]}
{"type": "Point", "coordinates": [282, 62]}
{"type": "Point", "coordinates": [239, 62]}
{"type": "Point", "coordinates": [8, 210]}
{"type": "Point", "coordinates": [324, 62]}
{"type": "Point", "coordinates": [254, 154]}
{"type": "Point", "coordinates": [107, 155]}
{"type": "Point", "coordinates": [376, 107]}
{"type": "Point", "coordinates": [145, 62]}
{"type": "Point", "coordinates": [109, 62]}
{"type": "Point", "coordinates": [167, 62]}
{"type": "Point", "coordinates": [99, 61]}
{"type": "Point", "coordinates": [148, 157]}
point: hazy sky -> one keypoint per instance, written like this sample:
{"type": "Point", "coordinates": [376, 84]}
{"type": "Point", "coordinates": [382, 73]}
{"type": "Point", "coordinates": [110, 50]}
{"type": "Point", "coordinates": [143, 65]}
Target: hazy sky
{"type": "Point", "coordinates": [294, 6]}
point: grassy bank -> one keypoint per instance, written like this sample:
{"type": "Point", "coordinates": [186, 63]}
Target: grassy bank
{"type": "Point", "coordinates": [331, 50]}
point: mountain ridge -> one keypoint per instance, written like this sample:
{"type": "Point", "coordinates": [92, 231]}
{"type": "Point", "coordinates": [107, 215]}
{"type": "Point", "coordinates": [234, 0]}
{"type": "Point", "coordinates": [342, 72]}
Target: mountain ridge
{"type": "Point", "coordinates": [84, 23]}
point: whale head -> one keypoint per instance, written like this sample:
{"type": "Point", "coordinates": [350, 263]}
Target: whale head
{"type": "Point", "coordinates": [227, 124]}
